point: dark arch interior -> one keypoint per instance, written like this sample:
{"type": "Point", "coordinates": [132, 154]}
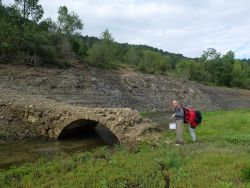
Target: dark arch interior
{"type": "Point", "coordinates": [81, 129]}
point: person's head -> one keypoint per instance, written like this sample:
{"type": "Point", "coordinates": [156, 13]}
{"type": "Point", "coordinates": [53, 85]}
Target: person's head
{"type": "Point", "coordinates": [190, 106]}
{"type": "Point", "coordinates": [175, 103]}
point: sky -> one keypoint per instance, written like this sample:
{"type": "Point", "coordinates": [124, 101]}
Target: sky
{"type": "Point", "coordinates": [179, 26]}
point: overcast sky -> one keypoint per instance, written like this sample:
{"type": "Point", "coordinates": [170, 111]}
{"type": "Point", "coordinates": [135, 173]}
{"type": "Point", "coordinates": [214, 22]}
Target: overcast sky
{"type": "Point", "coordinates": [178, 26]}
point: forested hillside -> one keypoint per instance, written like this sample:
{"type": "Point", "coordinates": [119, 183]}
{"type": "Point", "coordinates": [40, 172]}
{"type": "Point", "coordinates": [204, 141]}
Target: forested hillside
{"type": "Point", "coordinates": [28, 38]}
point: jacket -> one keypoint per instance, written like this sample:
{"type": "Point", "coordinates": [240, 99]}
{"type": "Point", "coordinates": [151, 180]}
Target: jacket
{"type": "Point", "coordinates": [179, 113]}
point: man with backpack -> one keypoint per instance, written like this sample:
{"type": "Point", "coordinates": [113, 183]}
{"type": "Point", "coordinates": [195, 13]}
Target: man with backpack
{"type": "Point", "coordinates": [179, 117]}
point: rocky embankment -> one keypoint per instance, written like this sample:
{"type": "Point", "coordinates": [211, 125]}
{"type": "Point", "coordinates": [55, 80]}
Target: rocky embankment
{"type": "Point", "coordinates": [87, 86]}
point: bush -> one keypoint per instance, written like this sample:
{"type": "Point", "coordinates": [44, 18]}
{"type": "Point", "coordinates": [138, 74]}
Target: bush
{"type": "Point", "coordinates": [245, 174]}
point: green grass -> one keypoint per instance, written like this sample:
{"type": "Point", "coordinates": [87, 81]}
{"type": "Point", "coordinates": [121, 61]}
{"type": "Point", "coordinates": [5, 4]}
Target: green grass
{"type": "Point", "coordinates": [220, 158]}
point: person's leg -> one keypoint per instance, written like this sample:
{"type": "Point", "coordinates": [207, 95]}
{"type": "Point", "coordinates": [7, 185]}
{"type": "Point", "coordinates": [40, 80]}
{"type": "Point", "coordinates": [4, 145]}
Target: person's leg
{"type": "Point", "coordinates": [179, 131]}
{"type": "Point", "coordinates": [193, 134]}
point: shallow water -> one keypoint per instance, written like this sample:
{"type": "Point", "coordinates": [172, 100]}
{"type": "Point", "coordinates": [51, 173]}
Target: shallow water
{"type": "Point", "coordinates": [18, 152]}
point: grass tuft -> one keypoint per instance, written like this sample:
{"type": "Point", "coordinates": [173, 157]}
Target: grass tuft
{"type": "Point", "coordinates": [245, 174]}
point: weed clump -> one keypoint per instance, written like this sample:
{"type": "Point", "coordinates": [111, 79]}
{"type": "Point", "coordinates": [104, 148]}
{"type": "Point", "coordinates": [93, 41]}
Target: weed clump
{"type": "Point", "coordinates": [245, 174]}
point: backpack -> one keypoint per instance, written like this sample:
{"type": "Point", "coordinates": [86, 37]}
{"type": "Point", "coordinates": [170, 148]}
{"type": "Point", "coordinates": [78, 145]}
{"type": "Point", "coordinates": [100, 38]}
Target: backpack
{"type": "Point", "coordinates": [198, 117]}
{"type": "Point", "coordinates": [186, 115]}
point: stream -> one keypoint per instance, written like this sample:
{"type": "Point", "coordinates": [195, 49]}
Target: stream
{"type": "Point", "coordinates": [18, 152]}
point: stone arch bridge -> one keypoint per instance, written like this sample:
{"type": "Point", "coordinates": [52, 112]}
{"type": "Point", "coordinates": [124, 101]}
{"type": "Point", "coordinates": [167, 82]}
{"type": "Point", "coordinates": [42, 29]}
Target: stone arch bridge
{"type": "Point", "coordinates": [49, 118]}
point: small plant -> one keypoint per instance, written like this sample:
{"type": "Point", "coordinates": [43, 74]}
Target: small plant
{"type": "Point", "coordinates": [144, 114]}
{"type": "Point", "coordinates": [64, 65]}
{"type": "Point", "coordinates": [245, 174]}
{"type": "Point", "coordinates": [16, 174]}
{"type": "Point", "coordinates": [172, 160]}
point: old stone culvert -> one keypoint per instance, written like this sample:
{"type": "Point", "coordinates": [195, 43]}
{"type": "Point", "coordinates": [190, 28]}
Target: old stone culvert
{"type": "Point", "coordinates": [49, 119]}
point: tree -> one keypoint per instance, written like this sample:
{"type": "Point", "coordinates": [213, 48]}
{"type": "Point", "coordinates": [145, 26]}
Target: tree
{"type": "Point", "coordinates": [210, 55]}
{"type": "Point", "coordinates": [212, 63]}
{"type": "Point", "coordinates": [237, 69]}
{"type": "Point", "coordinates": [30, 9]}
{"type": "Point", "coordinates": [79, 46]}
{"type": "Point", "coordinates": [108, 43]}
{"type": "Point", "coordinates": [68, 23]}
{"type": "Point", "coordinates": [48, 25]}
{"type": "Point", "coordinates": [229, 57]}
{"type": "Point", "coordinates": [102, 53]}
{"type": "Point", "coordinates": [107, 37]}
{"type": "Point", "coordinates": [153, 62]}
{"type": "Point", "coordinates": [237, 74]}
{"type": "Point", "coordinates": [226, 67]}
{"type": "Point", "coordinates": [131, 57]}
{"type": "Point", "coordinates": [192, 70]}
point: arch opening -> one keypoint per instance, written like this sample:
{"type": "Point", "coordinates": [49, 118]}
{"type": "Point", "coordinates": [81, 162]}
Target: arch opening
{"type": "Point", "coordinates": [82, 129]}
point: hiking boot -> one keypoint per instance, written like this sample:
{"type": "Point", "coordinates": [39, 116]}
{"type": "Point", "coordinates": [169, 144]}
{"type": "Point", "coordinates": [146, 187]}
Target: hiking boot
{"type": "Point", "coordinates": [179, 143]}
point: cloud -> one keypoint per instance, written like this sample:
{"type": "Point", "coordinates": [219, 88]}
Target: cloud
{"type": "Point", "coordinates": [178, 26]}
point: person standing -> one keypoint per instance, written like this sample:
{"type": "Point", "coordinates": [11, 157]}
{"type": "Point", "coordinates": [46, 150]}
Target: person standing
{"type": "Point", "coordinates": [192, 123]}
{"type": "Point", "coordinates": [178, 116]}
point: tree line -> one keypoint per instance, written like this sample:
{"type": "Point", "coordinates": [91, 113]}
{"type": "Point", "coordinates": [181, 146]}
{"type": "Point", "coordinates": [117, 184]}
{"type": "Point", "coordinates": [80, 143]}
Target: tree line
{"type": "Point", "coordinates": [26, 38]}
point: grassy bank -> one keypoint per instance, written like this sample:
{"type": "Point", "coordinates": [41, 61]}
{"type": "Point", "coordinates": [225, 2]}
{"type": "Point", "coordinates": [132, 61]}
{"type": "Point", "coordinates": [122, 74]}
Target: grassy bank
{"type": "Point", "coordinates": [220, 158]}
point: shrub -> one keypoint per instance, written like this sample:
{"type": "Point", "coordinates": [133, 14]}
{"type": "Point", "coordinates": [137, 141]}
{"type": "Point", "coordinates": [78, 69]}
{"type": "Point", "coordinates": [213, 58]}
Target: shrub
{"type": "Point", "coordinates": [245, 174]}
